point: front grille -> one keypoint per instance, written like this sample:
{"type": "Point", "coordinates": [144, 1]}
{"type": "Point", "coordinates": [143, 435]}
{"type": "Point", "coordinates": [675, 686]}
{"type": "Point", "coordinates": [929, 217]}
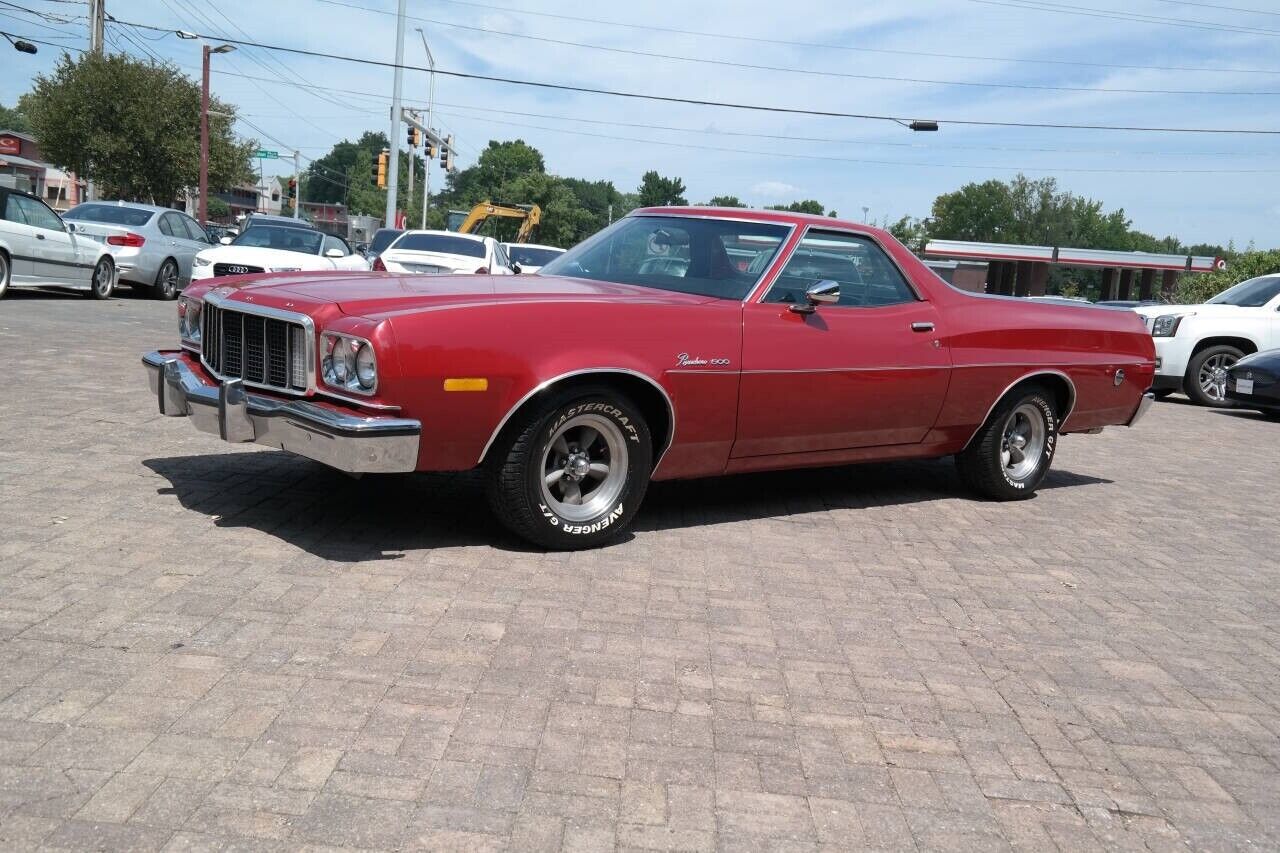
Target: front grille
{"type": "Point", "coordinates": [235, 269]}
{"type": "Point", "coordinates": [264, 351]}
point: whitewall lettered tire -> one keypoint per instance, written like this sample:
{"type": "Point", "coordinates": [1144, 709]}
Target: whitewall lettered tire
{"type": "Point", "coordinates": [1012, 452]}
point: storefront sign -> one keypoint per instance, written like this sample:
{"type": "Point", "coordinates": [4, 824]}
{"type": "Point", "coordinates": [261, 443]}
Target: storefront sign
{"type": "Point", "coordinates": [10, 145]}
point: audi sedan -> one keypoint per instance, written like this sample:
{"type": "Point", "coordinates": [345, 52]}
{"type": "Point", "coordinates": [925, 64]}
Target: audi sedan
{"type": "Point", "coordinates": [277, 247]}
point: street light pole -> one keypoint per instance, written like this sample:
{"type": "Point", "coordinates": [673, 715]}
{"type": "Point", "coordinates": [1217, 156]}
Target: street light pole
{"type": "Point", "coordinates": [393, 178]}
{"type": "Point", "coordinates": [431, 100]}
{"type": "Point", "coordinates": [202, 208]}
{"type": "Point", "coordinates": [297, 186]}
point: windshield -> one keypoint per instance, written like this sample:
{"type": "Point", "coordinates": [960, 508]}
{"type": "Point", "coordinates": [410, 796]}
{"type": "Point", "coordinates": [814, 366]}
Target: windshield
{"type": "Point", "coordinates": [1253, 293]}
{"type": "Point", "coordinates": [529, 257]}
{"type": "Point", "coordinates": [382, 239]}
{"type": "Point", "coordinates": [281, 237]}
{"type": "Point", "coordinates": [111, 214]}
{"type": "Point", "coordinates": [723, 258]}
{"type": "Point", "coordinates": [441, 244]}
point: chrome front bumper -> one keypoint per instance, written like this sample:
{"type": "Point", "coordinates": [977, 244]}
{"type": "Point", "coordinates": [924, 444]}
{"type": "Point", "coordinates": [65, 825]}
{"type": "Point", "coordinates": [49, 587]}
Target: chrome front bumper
{"type": "Point", "coordinates": [352, 443]}
{"type": "Point", "coordinates": [1145, 403]}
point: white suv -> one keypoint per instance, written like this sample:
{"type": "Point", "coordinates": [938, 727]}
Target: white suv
{"type": "Point", "coordinates": [1197, 344]}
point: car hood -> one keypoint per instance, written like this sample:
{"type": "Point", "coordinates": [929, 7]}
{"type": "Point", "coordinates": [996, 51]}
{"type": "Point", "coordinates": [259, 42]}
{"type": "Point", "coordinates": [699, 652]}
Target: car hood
{"type": "Point", "coordinates": [1199, 310]}
{"type": "Point", "coordinates": [378, 295]}
{"type": "Point", "coordinates": [265, 258]}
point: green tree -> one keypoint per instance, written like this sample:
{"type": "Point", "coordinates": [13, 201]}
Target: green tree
{"type": "Point", "coordinates": [726, 201]}
{"type": "Point", "coordinates": [217, 208]}
{"type": "Point", "coordinates": [657, 191]}
{"type": "Point", "coordinates": [806, 206]}
{"type": "Point", "coordinates": [1194, 289]}
{"type": "Point", "coordinates": [133, 127]}
{"type": "Point", "coordinates": [908, 231]}
{"type": "Point", "coordinates": [14, 119]}
{"type": "Point", "coordinates": [498, 163]}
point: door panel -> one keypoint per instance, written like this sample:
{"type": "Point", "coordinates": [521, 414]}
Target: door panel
{"type": "Point", "coordinates": [20, 238]}
{"type": "Point", "coordinates": [869, 371]}
{"type": "Point", "coordinates": [53, 253]}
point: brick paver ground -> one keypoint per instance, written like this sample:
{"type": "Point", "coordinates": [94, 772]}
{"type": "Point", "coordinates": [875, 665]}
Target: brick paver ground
{"type": "Point", "coordinates": [208, 647]}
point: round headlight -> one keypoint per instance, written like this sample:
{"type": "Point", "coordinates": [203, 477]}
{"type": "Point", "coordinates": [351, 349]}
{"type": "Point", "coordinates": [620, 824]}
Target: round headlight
{"type": "Point", "coordinates": [340, 361]}
{"type": "Point", "coordinates": [366, 367]}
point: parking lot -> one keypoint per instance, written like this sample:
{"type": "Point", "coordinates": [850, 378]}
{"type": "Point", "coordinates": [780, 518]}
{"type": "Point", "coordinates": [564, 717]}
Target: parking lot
{"type": "Point", "coordinates": [209, 647]}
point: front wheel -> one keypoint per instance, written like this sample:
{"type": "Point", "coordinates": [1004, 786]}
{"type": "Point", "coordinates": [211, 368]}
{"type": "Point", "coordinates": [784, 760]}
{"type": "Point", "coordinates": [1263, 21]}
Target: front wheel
{"type": "Point", "coordinates": [166, 286]}
{"type": "Point", "coordinates": [4, 274]}
{"type": "Point", "coordinates": [1012, 452]}
{"type": "Point", "coordinates": [104, 279]}
{"type": "Point", "coordinates": [574, 474]}
{"type": "Point", "coordinates": [1206, 380]}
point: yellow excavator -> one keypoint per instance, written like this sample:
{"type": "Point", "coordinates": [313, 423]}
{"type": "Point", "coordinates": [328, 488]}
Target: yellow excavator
{"type": "Point", "coordinates": [469, 223]}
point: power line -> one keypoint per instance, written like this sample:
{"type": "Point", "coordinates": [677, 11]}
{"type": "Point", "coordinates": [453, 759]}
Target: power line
{"type": "Point", "coordinates": [822, 45]}
{"type": "Point", "coordinates": [563, 87]}
{"type": "Point", "coordinates": [1215, 6]}
{"type": "Point", "coordinates": [1091, 12]}
{"type": "Point", "coordinates": [836, 74]}
{"type": "Point", "coordinates": [832, 158]}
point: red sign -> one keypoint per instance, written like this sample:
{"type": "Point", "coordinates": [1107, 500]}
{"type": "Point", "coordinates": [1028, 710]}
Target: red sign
{"type": "Point", "coordinates": [400, 219]}
{"type": "Point", "coordinates": [10, 145]}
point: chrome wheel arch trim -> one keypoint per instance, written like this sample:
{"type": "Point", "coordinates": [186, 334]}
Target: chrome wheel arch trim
{"type": "Point", "coordinates": [548, 383]}
{"type": "Point", "coordinates": [1071, 403]}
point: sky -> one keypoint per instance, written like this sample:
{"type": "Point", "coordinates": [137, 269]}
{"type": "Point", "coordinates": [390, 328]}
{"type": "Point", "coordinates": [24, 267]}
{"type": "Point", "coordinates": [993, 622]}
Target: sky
{"type": "Point", "coordinates": [1032, 61]}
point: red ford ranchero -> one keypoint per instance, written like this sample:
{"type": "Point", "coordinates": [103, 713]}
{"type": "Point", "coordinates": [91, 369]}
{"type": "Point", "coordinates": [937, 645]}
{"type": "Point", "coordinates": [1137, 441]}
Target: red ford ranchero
{"type": "Point", "coordinates": [678, 342]}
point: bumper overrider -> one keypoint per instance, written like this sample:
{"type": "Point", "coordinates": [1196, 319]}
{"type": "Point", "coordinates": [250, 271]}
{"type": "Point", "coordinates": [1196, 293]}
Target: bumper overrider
{"type": "Point", "coordinates": [352, 443]}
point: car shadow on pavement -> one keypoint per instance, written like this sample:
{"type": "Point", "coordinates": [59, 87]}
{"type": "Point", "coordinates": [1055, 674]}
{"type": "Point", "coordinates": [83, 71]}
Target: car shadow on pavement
{"type": "Point", "coordinates": [380, 517]}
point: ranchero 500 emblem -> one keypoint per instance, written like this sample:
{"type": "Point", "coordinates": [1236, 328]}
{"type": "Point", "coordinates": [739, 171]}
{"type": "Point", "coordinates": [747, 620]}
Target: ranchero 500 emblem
{"type": "Point", "coordinates": [684, 360]}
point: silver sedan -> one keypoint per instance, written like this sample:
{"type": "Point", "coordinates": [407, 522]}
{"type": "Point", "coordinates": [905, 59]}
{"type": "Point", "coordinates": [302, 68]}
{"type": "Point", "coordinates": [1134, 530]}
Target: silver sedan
{"type": "Point", "coordinates": [153, 246]}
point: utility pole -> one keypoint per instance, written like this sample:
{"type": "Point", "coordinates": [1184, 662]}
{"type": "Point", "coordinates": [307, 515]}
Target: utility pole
{"type": "Point", "coordinates": [431, 100]}
{"type": "Point", "coordinates": [393, 179]}
{"type": "Point", "coordinates": [97, 22]}
{"type": "Point", "coordinates": [297, 186]}
{"type": "Point", "coordinates": [202, 209]}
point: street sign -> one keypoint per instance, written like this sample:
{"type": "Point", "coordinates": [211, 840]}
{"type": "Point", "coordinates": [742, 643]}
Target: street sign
{"type": "Point", "coordinates": [264, 154]}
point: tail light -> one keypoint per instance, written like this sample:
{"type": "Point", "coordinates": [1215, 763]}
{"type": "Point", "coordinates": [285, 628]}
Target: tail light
{"type": "Point", "coordinates": [482, 271]}
{"type": "Point", "coordinates": [378, 265]}
{"type": "Point", "coordinates": [131, 240]}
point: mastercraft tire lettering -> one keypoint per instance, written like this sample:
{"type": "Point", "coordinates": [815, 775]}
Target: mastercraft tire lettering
{"type": "Point", "coordinates": [572, 474]}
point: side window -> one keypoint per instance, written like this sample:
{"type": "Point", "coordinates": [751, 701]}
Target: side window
{"type": "Point", "coordinates": [194, 231]}
{"type": "Point", "coordinates": [170, 226]}
{"type": "Point", "coordinates": [331, 242]}
{"type": "Point", "coordinates": [12, 212]}
{"type": "Point", "coordinates": [37, 215]}
{"type": "Point", "coordinates": [500, 255]}
{"type": "Point", "coordinates": [866, 276]}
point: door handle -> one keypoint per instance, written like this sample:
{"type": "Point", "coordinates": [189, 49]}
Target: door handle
{"type": "Point", "coordinates": [39, 236]}
{"type": "Point", "coordinates": [922, 327]}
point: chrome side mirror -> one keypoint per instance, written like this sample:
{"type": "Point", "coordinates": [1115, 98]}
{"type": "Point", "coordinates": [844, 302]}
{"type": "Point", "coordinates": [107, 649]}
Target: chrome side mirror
{"type": "Point", "coordinates": [825, 292]}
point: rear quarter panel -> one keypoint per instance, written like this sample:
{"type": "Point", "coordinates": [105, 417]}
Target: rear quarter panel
{"type": "Point", "coordinates": [996, 341]}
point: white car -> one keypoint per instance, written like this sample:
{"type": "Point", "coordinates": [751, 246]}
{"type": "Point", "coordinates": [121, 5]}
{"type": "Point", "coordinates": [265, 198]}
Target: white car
{"type": "Point", "coordinates": [444, 253]}
{"type": "Point", "coordinates": [1197, 344]}
{"type": "Point", "coordinates": [263, 248]}
{"type": "Point", "coordinates": [531, 257]}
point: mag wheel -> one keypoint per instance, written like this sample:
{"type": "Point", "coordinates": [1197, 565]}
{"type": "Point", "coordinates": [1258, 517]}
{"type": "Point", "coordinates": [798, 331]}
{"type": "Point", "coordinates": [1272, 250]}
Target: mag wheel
{"type": "Point", "coordinates": [104, 279]}
{"type": "Point", "coordinates": [572, 475]}
{"type": "Point", "coordinates": [1013, 450]}
{"type": "Point", "coordinates": [166, 286]}
{"type": "Point", "coordinates": [1206, 381]}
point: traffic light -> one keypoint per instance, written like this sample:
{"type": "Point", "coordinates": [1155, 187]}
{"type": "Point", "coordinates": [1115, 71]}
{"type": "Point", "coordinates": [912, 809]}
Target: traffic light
{"type": "Point", "coordinates": [379, 171]}
{"type": "Point", "coordinates": [430, 151]}
{"type": "Point", "coordinates": [414, 137]}
{"type": "Point", "coordinates": [293, 188]}
{"type": "Point", "coordinates": [446, 154]}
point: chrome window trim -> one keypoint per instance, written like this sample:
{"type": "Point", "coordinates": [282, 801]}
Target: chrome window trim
{"type": "Point", "coordinates": [1071, 405]}
{"type": "Point", "coordinates": [911, 285]}
{"type": "Point", "coordinates": [226, 304]}
{"type": "Point", "coordinates": [547, 383]}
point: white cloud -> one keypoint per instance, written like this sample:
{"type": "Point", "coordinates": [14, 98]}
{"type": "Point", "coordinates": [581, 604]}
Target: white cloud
{"type": "Point", "coordinates": [775, 189]}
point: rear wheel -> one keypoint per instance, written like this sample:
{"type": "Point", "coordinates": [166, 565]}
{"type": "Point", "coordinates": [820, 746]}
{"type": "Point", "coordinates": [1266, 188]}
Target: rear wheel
{"type": "Point", "coordinates": [573, 474]}
{"type": "Point", "coordinates": [166, 286]}
{"type": "Point", "coordinates": [1206, 380]}
{"type": "Point", "coordinates": [104, 279]}
{"type": "Point", "coordinates": [1012, 452]}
